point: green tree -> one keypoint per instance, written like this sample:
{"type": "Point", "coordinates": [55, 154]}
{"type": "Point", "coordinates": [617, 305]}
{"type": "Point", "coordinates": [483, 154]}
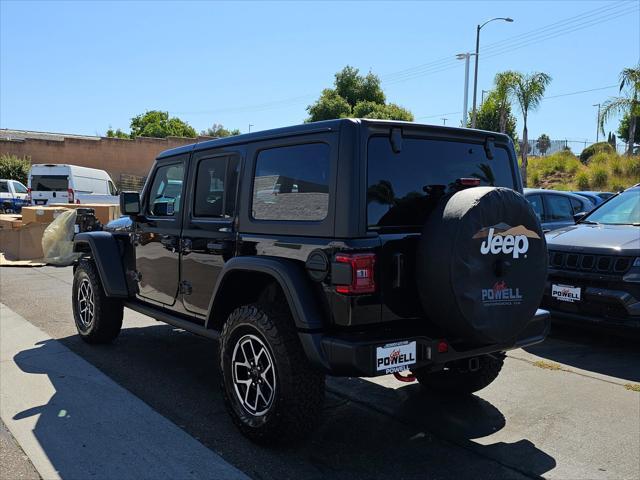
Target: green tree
{"type": "Point", "coordinates": [355, 95]}
{"type": "Point", "coordinates": [543, 143]}
{"type": "Point", "coordinates": [111, 133]}
{"type": "Point", "coordinates": [13, 167]}
{"type": "Point", "coordinates": [218, 130]}
{"type": "Point", "coordinates": [528, 91]}
{"type": "Point", "coordinates": [625, 127]}
{"type": "Point", "coordinates": [157, 124]}
{"type": "Point", "coordinates": [628, 102]}
{"type": "Point", "coordinates": [489, 114]}
{"type": "Point", "coordinates": [504, 83]}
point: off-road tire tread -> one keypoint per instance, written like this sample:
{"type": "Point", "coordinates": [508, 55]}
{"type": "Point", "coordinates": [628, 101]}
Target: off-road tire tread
{"type": "Point", "coordinates": [459, 382]}
{"type": "Point", "coordinates": [108, 311]}
{"type": "Point", "coordinates": [299, 409]}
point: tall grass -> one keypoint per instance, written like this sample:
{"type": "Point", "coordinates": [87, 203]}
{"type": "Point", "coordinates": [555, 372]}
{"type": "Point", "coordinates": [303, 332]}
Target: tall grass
{"type": "Point", "coordinates": [564, 171]}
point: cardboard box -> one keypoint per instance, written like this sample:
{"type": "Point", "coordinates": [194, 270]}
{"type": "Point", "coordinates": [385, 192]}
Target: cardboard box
{"type": "Point", "coordinates": [23, 243]}
{"type": "Point", "coordinates": [10, 221]}
{"type": "Point", "coordinates": [105, 212]}
{"type": "Point", "coordinates": [40, 214]}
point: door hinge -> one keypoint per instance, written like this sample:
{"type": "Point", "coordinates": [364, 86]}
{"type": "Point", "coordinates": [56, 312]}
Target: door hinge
{"type": "Point", "coordinates": [185, 287]}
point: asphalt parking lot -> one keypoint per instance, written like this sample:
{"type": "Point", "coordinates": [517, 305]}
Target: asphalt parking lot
{"type": "Point", "coordinates": [563, 409]}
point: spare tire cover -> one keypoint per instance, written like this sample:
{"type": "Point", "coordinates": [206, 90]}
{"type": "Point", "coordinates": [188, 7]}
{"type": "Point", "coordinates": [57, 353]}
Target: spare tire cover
{"type": "Point", "coordinates": [482, 265]}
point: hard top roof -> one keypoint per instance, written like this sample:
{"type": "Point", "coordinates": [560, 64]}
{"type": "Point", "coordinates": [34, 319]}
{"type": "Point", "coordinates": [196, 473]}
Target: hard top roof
{"type": "Point", "coordinates": [314, 127]}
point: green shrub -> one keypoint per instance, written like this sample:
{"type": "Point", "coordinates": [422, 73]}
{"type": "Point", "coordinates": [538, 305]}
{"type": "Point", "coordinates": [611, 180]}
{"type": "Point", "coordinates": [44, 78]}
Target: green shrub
{"type": "Point", "coordinates": [631, 166]}
{"type": "Point", "coordinates": [599, 177]}
{"type": "Point", "coordinates": [582, 180]}
{"type": "Point", "coordinates": [591, 150]}
{"type": "Point", "coordinates": [601, 158]}
{"type": "Point", "coordinates": [535, 179]}
{"type": "Point", "coordinates": [616, 166]}
{"type": "Point", "coordinates": [617, 187]}
{"type": "Point", "coordinates": [13, 167]}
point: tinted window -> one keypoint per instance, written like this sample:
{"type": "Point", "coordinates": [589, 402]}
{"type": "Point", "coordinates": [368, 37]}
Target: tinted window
{"type": "Point", "coordinates": [49, 183]}
{"type": "Point", "coordinates": [578, 206]}
{"type": "Point", "coordinates": [4, 188]}
{"type": "Point", "coordinates": [112, 188]}
{"type": "Point", "coordinates": [166, 191]}
{"type": "Point", "coordinates": [558, 208]}
{"type": "Point", "coordinates": [536, 204]}
{"type": "Point", "coordinates": [404, 187]}
{"type": "Point", "coordinates": [19, 188]}
{"type": "Point", "coordinates": [216, 187]}
{"type": "Point", "coordinates": [292, 183]}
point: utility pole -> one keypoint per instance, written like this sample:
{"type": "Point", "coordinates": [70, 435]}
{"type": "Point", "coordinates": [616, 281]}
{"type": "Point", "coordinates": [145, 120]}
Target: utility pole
{"type": "Point", "coordinates": [597, 122]}
{"type": "Point", "coordinates": [250, 125]}
{"type": "Point", "coordinates": [482, 96]}
{"type": "Point", "coordinates": [465, 107]}
{"type": "Point", "coordinates": [444, 121]}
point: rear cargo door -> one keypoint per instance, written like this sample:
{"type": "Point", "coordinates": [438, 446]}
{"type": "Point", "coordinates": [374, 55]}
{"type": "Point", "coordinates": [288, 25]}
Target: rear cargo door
{"type": "Point", "coordinates": [49, 185]}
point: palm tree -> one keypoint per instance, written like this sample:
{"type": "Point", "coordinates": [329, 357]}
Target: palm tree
{"type": "Point", "coordinates": [630, 103]}
{"type": "Point", "coordinates": [504, 82]}
{"type": "Point", "coordinates": [528, 90]}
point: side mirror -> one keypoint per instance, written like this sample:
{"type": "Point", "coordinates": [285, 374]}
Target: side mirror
{"type": "Point", "coordinates": [579, 216]}
{"type": "Point", "coordinates": [129, 203]}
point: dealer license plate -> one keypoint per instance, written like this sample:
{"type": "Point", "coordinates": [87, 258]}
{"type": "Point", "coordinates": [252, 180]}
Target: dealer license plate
{"type": "Point", "coordinates": [565, 293]}
{"type": "Point", "coordinates": [395, 357]}
{"type": "Point", "coordinates": [41, 202]}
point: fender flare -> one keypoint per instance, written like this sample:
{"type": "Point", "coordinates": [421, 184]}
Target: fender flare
{"type": "Point", "coordinates": [293, 280]}
{"type": "Point", "coordinates": [106, 255]}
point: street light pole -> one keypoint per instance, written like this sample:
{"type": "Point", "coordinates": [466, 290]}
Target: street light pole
{"type": "Point", "coordinates": [475, 77]}
{"type": "Point", "coordinates": [598, 122]}
{"type": "Point", "coordinates": [465, 106]}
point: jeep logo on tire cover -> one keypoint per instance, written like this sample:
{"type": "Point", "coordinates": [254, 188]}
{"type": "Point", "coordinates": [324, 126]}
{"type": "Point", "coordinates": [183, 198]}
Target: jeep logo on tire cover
{"type": "Point", "coordinates": [503, 238]}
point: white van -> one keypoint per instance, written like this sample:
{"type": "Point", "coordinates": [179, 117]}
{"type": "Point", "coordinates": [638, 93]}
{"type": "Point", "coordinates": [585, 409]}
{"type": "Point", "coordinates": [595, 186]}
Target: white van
{"type": "Point", "coordinates": [49, 183]}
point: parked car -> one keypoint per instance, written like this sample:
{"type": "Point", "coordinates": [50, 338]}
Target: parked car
{"type": "Point", "coordinates": [596, 197]}
{"type": "Point", "coordinates": [51, 183]}
{"type": "Point", "coordinates": [594, 266]}
{"type": "Point", "coordinates": [13, 195]}
{"type": "Point", "coordinates": [307, 255]}
{"type": "Point", "coordinates": [556, 209]}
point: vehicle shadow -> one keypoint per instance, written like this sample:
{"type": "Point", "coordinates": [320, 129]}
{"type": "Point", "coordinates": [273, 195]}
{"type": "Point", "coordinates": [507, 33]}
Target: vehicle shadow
{"type": "Point", "coordinates": [367, 430]}
{"type": "Point", "coordinates": [595, 350]}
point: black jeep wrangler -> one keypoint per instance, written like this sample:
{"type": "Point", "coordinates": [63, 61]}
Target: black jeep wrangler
{"type": "Point", "coordinates": [346, 247]}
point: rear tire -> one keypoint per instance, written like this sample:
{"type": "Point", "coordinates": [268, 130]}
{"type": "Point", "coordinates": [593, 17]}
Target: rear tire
{"type": "Point", "coordinates": [456, 378]}
{"type": "Point", "coordinates": [98, 318]}
{"type": "Point", "coordinates": [260, 352]}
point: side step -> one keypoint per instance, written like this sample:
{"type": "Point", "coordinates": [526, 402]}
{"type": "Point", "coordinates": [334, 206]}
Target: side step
{"type": "Point", "coordinates": [171, 319]}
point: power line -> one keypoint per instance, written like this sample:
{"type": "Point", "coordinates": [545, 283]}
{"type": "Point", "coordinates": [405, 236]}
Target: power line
{"type": "Point", "coordinates": [553, 30]}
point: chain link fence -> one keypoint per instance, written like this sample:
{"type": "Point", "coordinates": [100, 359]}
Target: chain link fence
{"type": "Point", "coordinates": [576, 146]}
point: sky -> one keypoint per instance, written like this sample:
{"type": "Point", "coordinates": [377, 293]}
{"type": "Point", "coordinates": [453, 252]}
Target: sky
{"type": "Point", "coordinates": [82, 67]}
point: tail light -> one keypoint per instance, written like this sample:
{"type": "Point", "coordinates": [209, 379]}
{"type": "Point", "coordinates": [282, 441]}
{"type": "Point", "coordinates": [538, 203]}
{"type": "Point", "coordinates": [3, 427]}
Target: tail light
{"type": "Point", "coordinates": [71, 195]}
{"type": "Point", "coordinates": [361, 273]}
{"type": "Point", "coordinates": [29, 194]}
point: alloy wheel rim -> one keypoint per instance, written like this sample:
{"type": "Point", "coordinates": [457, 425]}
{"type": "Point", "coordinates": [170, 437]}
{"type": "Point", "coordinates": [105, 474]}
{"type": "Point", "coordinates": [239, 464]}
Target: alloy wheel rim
{"type": "Point", "coordinates": [86, 304]}
{"type": "Point", "coordinates": [254, 376]}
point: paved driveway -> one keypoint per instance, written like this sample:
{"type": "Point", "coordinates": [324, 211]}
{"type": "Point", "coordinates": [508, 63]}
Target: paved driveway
{"type": "Point", "coordinates": [558, 410]}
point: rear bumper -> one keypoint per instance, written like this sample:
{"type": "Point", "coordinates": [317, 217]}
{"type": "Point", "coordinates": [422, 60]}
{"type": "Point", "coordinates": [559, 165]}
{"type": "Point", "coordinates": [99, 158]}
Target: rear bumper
{"type": "Point", "coordinates": [354, 355]}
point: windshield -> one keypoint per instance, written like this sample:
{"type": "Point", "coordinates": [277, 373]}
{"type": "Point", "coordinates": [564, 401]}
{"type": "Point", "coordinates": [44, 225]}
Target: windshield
{"type": "Point", "coordinates": [621, 210]}
{"type": "Point", "coordinates": [403, 187]}
{"type": "Point", "coordinates": [49, 183]}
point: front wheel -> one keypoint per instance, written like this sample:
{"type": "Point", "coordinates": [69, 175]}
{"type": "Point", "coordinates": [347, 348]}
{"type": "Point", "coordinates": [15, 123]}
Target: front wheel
{"type": "Point", "coordinates": [461, 377]}
{"type": "Point", "coordinates": [270, 390]}
{"type": "Point", "coordinates": [98, 318]}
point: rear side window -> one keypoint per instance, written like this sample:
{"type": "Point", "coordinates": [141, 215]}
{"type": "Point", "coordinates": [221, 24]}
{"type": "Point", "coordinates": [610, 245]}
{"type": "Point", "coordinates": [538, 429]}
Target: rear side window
{"type": "Point", "coordinates": [292, 183]}
{"type": "Point", "coordinates": [4, 187]}
{"type": "Point", "coordinates": [558, 208]}
{"type": "Point", "coordinates": [404, 187]}
{"type": "Point", "coordinates": [536, 204]}
{"type": "Point", "coordinates": [216, 183]}
{"type": "Point", "coordinates": [49, 183]}
{"type": "Point", "coordinates": [578, 206]}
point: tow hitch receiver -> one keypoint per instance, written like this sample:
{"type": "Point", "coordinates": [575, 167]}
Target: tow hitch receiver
{"type": "Point", "coordinates": [474, 364]}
